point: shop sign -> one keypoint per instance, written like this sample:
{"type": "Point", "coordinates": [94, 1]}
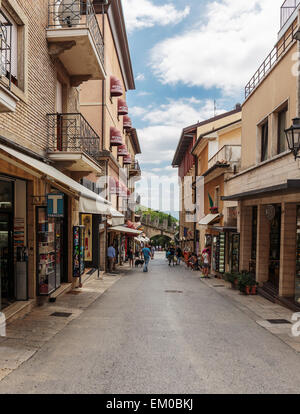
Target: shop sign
{"type": "Point", "coordinates": [87, 222]}
{"type": "Point", "coordinates": [55, 205]}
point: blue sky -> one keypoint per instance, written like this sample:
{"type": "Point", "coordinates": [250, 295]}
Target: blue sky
{"type": "Point", "coordinates": [185, 55]}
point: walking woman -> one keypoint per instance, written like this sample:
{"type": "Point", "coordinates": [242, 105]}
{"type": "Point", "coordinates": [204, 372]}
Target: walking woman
{"type": "Point", "coordinates": [130, 257]}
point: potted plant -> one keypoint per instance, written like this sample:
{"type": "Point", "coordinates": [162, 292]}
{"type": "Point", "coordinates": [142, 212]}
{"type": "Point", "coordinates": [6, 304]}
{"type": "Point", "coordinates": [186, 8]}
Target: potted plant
{"type": "Point", "coordinates": [232, 278]}
{"type": "Point", "coordinates": [245, 283]}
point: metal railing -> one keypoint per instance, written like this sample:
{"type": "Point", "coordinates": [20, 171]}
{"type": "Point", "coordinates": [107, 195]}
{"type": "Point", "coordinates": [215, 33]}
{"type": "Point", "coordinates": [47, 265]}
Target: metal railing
{"type": "Point", "coordinates": [287, 9]}
{"type": "Point", "coordinates": [135, 166]}
{"type": "Point", "coordinates": [273, 57]}
{"type": "Point", "coordinates": [76, 13]}
{"type": "Point", "coordinates": [72, 133]}
{"type": "Point", "coordinates": [229, 154]}
{"type": "Point", "coordinates": [5, 49]}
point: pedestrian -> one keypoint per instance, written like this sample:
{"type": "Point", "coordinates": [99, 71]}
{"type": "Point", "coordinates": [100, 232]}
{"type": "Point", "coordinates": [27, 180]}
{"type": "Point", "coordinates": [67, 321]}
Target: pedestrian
{"type": "Point", "coordinates": [130, 256]}
{"type": "Point", "coordinates": [171, 254]}
{"type": "Point", "coordinates": [147, 255]}
{"type": "Point", "coordinates": [179, 255]}
{"type": "Point", "coordinates": [205, 257]}
{"type": "Point", "coordinates": [152, 251]}
{"type": "Point", "coordinates": [111, 254]}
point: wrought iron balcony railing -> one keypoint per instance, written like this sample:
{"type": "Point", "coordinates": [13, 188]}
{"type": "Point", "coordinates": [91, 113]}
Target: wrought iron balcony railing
{"type": "Point", "coordinates": [273, 57]}
{"type": "Point", "coordinates": [75, 14]}
{"type": "Point", "coordinates": [287, 9]}
{"type": "Point", "coordinates": [229, 154]}
{"type": "Point", "coordinates": [5, 49]}
{"type": "Point", "coordinates": [72, 133]}
{"type": "Point", "coordinates": [135, 166]}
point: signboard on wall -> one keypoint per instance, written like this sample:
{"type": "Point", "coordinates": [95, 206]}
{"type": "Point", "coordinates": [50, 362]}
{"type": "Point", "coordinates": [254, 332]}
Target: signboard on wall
{"type": "Point", "coordinates": [87, 222]}
{"type": "Point", "coordinates": [55, 205]}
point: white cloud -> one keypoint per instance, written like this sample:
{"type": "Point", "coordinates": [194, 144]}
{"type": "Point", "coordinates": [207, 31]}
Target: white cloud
{"type": "Point", "coordinates": [140, 77]}
{"type": "Point", "coordinates": [223, 50]}
{"type": "Point", "coordinates": [140, 14]}
{"type": "Point", "coordinates": [160, 138]}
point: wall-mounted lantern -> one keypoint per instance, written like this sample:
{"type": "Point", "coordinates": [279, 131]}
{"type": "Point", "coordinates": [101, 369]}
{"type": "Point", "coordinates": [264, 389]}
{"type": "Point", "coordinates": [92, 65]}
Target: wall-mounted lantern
{"type": "Point", "coordinates": [293, 137]}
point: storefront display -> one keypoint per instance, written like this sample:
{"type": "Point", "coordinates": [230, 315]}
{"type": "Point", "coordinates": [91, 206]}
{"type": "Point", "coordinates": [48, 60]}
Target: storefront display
{"type": "Point", "coordinates": [221, 267]}
{"type": "Point", "coordinates": [78, 250]}
{"type": "Point", "coordinates": [87, 222]}
{"type": "Point", "coordinates": [49, 252]}
{"type": "Point", "coordinates": [235, 252]}
{"type": "Point", "coordinates": [218, 253]}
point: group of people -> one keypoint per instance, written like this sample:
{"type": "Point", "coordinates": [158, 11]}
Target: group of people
{"type": "Point", "coordinates": [146, 253]}
{"type": "Point", "coordinates": [175, 255]}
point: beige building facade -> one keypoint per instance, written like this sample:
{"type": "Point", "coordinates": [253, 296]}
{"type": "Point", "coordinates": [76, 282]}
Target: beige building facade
{"type": "Point", "coordinates": [267, 188]}
{"type": "Point", "coordinates": [53, 221]}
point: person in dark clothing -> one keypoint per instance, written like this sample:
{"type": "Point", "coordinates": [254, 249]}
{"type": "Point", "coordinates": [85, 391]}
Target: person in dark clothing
{"type": "Point", "coordinates": [179, 255]}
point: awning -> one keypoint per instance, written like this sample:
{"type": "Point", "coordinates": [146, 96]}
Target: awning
{"type": "Point", "coordinates": [117, 218]}
{"type": "Point", "coordinates": [89, 202]}
{"type": "Point", "coordinates": [124, 229]}
{"type": "Point", "coordinates": [208, 219]}
{"type": "Point", "coordinates": [289, 185]}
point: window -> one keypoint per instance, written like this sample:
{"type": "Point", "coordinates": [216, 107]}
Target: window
{"type": "Point", "coordinates": [14, 33]}
{"type": "Point", "coordinates": [264, 141]}
{"type": "Point", "coordinates": [217, 197]}
{"type": "Point", "coordinates": [281, 143]}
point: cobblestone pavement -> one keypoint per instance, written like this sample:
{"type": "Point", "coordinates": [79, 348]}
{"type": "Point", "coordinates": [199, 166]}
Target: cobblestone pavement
{"type": "Point", "coordinates": [166, 331]}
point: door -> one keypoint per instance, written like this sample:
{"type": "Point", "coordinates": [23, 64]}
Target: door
{"type": "Point", "coordinates": [274, 257]}
{"type": "Point", "coordinates": [6, 260]}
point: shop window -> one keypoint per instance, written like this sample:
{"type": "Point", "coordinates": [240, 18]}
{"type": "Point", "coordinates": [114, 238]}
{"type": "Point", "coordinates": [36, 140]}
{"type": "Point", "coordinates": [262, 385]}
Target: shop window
{"type": "Point", "coordinates": [264, 141]}
{"type": "Point", "coordinates": [281, 140]}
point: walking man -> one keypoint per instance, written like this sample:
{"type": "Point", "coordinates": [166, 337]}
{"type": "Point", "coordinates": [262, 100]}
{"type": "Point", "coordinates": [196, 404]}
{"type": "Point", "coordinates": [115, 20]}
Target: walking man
{"type": "Point", "coordinates": [147, 255]}
{"type": "Point", "coordinates": [111, 254]}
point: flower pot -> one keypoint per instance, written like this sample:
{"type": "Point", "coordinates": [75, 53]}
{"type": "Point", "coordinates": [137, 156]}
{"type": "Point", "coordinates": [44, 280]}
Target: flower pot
{"type": "Point", "coordinates": [247, 290]}
{"type": "Point", "coordinates": [254, 290]}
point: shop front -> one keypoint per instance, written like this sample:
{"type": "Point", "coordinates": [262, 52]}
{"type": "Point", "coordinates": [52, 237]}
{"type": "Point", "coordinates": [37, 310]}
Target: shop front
{"type": "Point", "coordinates": [13, 240]}
{"type": "Point", "coordinates": [52, 243]}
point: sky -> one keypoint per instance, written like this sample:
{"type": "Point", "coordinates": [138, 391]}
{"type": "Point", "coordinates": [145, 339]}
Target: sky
{"type": "Point", "coordinates": [186, 54]}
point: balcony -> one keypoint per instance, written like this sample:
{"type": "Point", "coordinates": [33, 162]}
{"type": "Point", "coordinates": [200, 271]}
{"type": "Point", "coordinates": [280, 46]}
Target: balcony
{"type": "Point", "coordinates": [8, 101]}
{"type": "Point", "coordinates": [287, 9]}
{"type": "Point", "coordinates": [74, 36]}
{"type": "Point", "coordinates": [272, 59]}
{"type": "Point", "coordinates": [72, 143]}
{"type": "Point", "coordinates": [135, 169]}
{"type": "Point", "coordinates": [229, 154]}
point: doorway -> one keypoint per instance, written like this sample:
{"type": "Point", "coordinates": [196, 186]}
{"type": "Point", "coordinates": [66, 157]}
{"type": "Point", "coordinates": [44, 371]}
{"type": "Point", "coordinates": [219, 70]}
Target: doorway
{"type": "Point", "coordinates": [6, 261]}
{"type": "Point", "coordinates": [274, 256]}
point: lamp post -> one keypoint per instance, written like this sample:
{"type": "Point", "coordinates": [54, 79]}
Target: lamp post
{"type": "Point", "coordinates": [293, 137]}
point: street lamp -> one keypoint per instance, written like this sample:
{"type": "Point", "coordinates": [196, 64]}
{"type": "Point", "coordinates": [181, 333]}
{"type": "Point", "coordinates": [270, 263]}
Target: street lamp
{"type": "Point", "coordinates": [293, 137]}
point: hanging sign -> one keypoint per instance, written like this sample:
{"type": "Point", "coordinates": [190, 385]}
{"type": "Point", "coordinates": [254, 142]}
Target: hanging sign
{"type": "Point", "coordinates": [55, 205]}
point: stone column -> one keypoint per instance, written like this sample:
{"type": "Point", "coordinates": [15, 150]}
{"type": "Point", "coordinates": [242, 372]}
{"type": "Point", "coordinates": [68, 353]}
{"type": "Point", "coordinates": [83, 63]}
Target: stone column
{"type": "Point", "coordinates": [263, 246]}
{"type": "Point", "coordinates": [245, 226]}
{"type": "Point", "coordinates": [288, 250]}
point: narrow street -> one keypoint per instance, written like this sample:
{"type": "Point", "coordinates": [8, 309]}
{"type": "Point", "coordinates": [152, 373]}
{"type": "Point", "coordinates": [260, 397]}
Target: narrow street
{"type": "Point", "coordinates": [139, 338]}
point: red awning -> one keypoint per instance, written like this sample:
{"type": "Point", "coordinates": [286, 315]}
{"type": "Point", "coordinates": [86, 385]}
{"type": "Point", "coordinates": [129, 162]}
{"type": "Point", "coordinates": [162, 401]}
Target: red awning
{"type": "Point", "coordinates": [115, 137]}
{"type": "Point", "coordinates": [122, 107]}
{"type": "Point", "coordinates": [127, 159]}
{"type": "Point", "coordinates": [122, 151]}
{"type": "Point", "coordinates": [127, 124]}
{"type": "Point", "coordinates": [116, 88]}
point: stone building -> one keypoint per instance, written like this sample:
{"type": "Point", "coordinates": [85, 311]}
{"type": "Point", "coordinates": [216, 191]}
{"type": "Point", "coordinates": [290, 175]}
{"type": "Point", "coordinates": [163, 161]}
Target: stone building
{"type": "Point", "coordinates": [267, 187]}
{"type": "Point", "coordinates": [52, 221]}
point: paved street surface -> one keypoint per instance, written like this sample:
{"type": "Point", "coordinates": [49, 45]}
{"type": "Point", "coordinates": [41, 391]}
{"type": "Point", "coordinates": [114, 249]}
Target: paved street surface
{"type": "Point", "coordinates": [139, 338]}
